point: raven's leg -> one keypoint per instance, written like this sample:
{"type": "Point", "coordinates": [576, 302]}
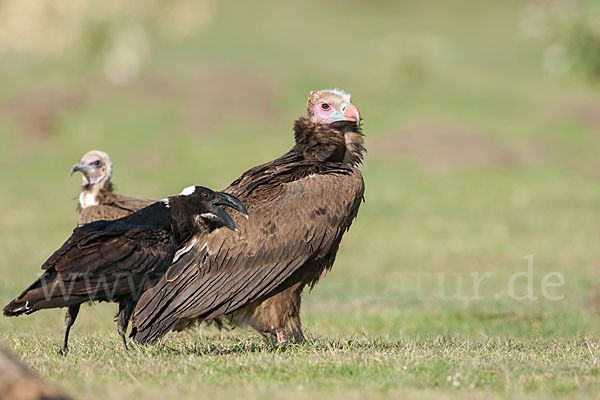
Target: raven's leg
{"type": "Point", "coordinates": [126, 308]}
{"type": "Point", "coordinates": [70, 317]}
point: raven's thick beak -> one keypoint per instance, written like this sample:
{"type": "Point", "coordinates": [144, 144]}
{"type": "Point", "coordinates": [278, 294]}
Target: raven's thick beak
{"type": "Point", "coordinates": [348, 112]}
{"type": "Point", "coordinates": [228, 200]}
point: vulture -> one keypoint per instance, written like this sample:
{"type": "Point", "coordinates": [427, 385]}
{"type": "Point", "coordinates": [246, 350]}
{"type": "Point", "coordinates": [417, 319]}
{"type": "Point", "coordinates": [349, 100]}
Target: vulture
{"type": "Point", "coordinates": [97, 199]}
{"type": "Point", "coordinates": [17, 382]}
{"type": "Point", "coordinates": [300, 205]}
{"type": "Point", "coordinates": [116, 260]}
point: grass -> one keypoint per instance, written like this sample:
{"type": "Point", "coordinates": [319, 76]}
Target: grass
{"type": "Point", "coordinates": [419, 302]}
{"type": "Point", "coordinates": [229, 366]}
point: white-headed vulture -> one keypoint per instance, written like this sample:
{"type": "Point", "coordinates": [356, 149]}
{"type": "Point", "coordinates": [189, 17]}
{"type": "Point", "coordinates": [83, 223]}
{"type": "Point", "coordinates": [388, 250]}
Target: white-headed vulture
{"type": "Point", "coordinates": [97, 199]}
{"type": "Point", "coordinates": [116, 260]}
{"type": "Point", "coordinates": [299, 207]}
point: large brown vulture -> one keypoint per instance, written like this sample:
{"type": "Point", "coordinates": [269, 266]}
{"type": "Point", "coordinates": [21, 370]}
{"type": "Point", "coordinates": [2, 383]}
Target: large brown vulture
{"type": "Point", "coordinates": [299, 207]}
{"type": "Point", "coordinates": [116, 260]}
{"type": "Point", "coordinates": [97, 199]}
{"type": "Point", "coordinates": [17, 382]}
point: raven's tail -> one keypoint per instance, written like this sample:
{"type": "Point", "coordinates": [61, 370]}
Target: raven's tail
{"type": "Point", "coordinates": [46, 292]}
{"type": "Point", "coordinates": [16, 308]}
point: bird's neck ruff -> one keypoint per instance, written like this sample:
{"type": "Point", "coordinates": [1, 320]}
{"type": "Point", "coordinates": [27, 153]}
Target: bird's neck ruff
{"type": "Point", "coordinates": [336, 142]}
{"type": "Point", "coordinates": [92, 195]}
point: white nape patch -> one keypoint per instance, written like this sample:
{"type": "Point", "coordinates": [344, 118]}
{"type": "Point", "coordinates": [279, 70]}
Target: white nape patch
{"type": "Point", "coordinates": [187, 248]}
{"type": "Point", "coordinates": [341, 93]}
{"type": "Point", "coordinates": [188, 190]}
{"type": "Point", "coordinates": [87, 199]}
{"type": "Point", "coordinates": [165, 202]}
{"type": "Point", "coordinates": [209, 215]}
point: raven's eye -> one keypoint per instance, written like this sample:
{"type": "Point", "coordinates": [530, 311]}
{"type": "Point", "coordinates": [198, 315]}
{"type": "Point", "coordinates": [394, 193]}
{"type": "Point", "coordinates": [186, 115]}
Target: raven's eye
{"type": "Point", "coordinates": [325, 106]}
{"type": "Point", "coordinates": [97, 163]}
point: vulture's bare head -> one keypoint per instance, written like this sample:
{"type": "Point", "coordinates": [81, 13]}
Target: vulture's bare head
{"type": "Point", "coordinates": [331, 131]}
{"type": "Point", "coordinates": [95, 167]}
{"type": "Point", "coordinates": [331, 106]}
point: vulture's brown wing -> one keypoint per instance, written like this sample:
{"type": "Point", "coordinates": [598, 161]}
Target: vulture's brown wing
{"type": "Point", "coordinates": [295, 222]}
{"type": "Point", "coordinates": [114, 206]}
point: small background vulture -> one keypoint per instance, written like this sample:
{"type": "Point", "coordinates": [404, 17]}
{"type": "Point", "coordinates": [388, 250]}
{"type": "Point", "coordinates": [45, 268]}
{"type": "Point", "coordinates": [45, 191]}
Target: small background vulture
{"type": "Point", "coordinates": [97, 199]}
{"type": "Point", "coordinates": [116, 260]}
{"type": "Point", "coordinates": [299, 207]}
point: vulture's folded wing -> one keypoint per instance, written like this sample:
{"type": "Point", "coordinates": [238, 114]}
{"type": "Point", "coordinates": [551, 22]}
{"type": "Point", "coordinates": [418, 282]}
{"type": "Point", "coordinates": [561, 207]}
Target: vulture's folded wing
{"type": "Point", "coordinates": [291, 223]}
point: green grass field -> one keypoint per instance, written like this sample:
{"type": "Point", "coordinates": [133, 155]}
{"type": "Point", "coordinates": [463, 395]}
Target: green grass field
{"type": "Point", "coordinates": [476, 159]}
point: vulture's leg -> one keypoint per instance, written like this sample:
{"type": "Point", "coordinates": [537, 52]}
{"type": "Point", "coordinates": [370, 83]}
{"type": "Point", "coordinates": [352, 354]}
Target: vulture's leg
{"type": "Point", "coordinates": [297, 332]}
{"type": "Point", "coordinates": [294, 323]}
{"type": "Point", "coordinates": [282, 337]}
{"type": "Point", "coordinates": [70, 317]}
{"type": "Point", "coordinates": [269, 336]}
{"type": "Point", "coordinates": [288, 304]}
{"type": "Point", "coordinates": [276, 337]}
{"type": "Point", "coordinates": [126, 308]}
{"type": "Point", "coordinates": [219, 324]}
{"type": "Point", "coordinates": [276, 318]}
{"type": "Point", "coordinates": [293, 329]}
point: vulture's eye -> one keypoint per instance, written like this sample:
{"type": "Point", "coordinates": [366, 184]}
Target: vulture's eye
{"type": "Point", "coordinates": [97, 163]}
{"type": "Point", "coordinates": [325, 106]}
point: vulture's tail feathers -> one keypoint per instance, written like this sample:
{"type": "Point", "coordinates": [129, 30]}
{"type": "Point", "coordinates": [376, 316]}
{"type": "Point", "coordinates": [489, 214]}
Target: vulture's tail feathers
{"type": "Point", "coordinates": [153, 316]}
{"type": "Point", "coordinates": [151, 333]}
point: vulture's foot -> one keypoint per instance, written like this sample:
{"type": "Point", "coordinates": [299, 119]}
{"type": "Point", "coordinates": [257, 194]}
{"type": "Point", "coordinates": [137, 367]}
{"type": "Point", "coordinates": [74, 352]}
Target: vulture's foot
{"type": "Point", "coordinates": [281, 337]}
{"type": "Point", "coordinates": [298, 334]}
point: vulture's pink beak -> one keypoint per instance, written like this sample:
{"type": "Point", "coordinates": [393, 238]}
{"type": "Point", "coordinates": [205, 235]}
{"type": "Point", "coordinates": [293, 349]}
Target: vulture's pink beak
{"type": "Point", "coordinates": [347, 112]}
{"type": "Point", "coordinates": [351, 114]}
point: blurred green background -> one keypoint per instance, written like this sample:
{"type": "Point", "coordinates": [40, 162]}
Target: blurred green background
{"type": "Point", "coordinates": [482, 123]}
